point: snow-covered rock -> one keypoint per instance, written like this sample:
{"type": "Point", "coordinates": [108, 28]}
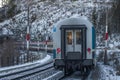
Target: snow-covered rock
{"type": "Point", "coordinates": [43, 14]}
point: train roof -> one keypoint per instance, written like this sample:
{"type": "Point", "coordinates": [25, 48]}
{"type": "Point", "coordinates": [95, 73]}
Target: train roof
{"type": "Point", "coordinates": [81, 21]}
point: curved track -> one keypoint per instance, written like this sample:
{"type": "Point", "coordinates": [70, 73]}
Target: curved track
{"type": "Point", "coordinates": [28, 72]}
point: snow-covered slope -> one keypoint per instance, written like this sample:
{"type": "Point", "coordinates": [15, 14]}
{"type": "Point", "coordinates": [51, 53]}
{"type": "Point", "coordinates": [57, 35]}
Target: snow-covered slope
{"type": "Point", "coordinates": [44, 13]}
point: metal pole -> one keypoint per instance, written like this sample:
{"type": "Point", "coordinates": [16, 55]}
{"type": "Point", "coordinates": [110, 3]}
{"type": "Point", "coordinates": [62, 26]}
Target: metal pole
{"type": "Point", "coordinates": [28, 36]}
{"type": "Point", "coordinates": [46, 41]}
{"type": "Point", "coordinates": [106, 38]}
{"type": "Point", "coordinates": [38, 47]}
{"type": "Point", "coordinates": [106, 27]}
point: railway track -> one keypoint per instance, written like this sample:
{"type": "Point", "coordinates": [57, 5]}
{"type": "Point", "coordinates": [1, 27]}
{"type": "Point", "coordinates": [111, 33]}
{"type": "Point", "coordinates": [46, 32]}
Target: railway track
{"type": "Point", "coordinates": [36, 71]}
{"type": "Point", "coordinates": [17, 72]}
{"type": "Point", "coordinates": [77, 76]}
{"type": "Point", "coordinates": [46, 72]}
{"type": "Point", "coordinates": [50, 74]}
{"type": "Point", "coordinates": [25, 73]}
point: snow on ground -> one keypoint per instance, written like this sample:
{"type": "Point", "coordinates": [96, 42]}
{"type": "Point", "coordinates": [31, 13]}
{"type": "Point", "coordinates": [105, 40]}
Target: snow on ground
{"type": "Point", "coordinates": [110, 71]}
{"type": "Point", "coordinates": [107, 72]}
{"type": "Point", "coordinates": [117, 77]}
{"type": "Point", "coordinates": [103, 72]}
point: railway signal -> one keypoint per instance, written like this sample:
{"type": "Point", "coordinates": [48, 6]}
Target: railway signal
{"type": "Point", "coordinates": [58, 50]}
{"type": "Point", "coordinates": [28, 32]}
{"type": "Point", "coordinates": [28, 39]}
{"type": "Point", "coordinates": [106, 38]}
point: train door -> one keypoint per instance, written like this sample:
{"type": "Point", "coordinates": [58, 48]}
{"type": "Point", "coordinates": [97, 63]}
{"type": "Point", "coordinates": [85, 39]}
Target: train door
{"type": "Point", "coordinates": [73, 42]}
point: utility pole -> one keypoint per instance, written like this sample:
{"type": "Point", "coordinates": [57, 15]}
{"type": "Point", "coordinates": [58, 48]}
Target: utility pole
{"type": "Point", "coordinates": [46, 39]}
{"type": "Point", "coordinates": [106, 28]}
{"type": "Point", "coordinates": [106, 38]}
{"type": "Point", "coordinates": [46, 42]}
{"type": "Point", "coordinates": [28, 34]}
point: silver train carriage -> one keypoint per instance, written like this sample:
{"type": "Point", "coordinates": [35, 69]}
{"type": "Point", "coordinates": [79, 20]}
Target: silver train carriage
{"type": "Point", "coordinates": [74, 44]}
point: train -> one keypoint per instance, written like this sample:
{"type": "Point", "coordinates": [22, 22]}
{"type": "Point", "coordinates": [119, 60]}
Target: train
{"type": "Point", "coordinates": [37, 46]}
{"type": "Point", "coordinates": [74, 43]}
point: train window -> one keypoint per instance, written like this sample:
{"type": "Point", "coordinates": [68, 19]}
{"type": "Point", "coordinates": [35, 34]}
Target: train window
{"type": "Point", "coordinates": [78, 37]}
{"type": "Point", "coordinates": [69, 37]}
